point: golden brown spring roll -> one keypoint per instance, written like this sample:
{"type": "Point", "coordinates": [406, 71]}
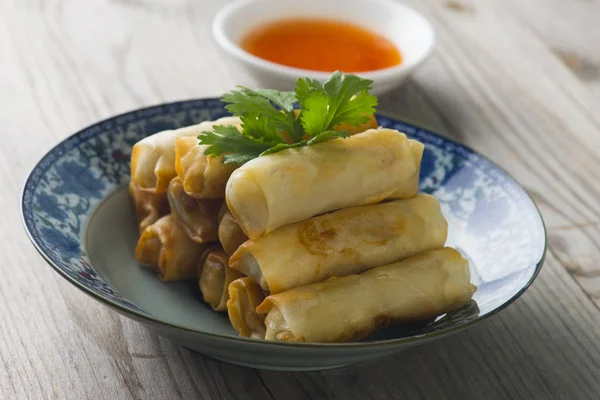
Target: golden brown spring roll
{"type": "Point", "coordinates": [406, 190]}
{"type": "Point", "coordinates": [296, 184]}
{"type": "Point", "coordinates": [231, 235]}
{"type": "Point", "coordinates": [215, 277]}
{"type": "Point", "coordinates": [244, 296]}
{"type": "Point", "coordinates": [153, 158]}
{"type": "Point", "coordinates": [165, 246]}
{"type": "Point", "coordinates": [343, 242]}
{"type": "Point", "coordinates": [199, 218]}
{"type": "Point", "coordinates": [351, 307]}
{"type": "Point", "coordinates": [149, 207]}
{"type": "Point", "coordinates": [203, 177]}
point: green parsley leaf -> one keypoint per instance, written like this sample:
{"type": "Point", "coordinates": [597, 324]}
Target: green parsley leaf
{"type": "Point", "coordinates": [327, 135]}
{"type": "Point", "coordinates": [230, 141]}
{"type": "Point", "coordinates": [283, 146]}
{"type": "Point", "coordinates": [285, 100]}
{"type": "Point", "coordinates": [267, 113]}
{"type": "Point", "coordinates": [322, 137]}
{"type": "Point", "coordinates": [343, 98]}
{"type": "Point", "coordinates": [246, 101]}
{"type": "Point", "coordinates": [260, 129]}
{"type": "Point", "coordinates": [305, 86]}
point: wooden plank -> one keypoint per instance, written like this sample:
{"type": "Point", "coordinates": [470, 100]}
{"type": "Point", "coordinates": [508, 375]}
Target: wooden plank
{"type": "Point", "coordinates": [500, 80]}
{"type": "Point", "coordinates": [570, 31]}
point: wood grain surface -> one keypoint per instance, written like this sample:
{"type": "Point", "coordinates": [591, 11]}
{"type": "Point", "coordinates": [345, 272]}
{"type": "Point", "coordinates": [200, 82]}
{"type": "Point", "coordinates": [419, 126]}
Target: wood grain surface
{"type": "Point", "coordinates": [516, 80]}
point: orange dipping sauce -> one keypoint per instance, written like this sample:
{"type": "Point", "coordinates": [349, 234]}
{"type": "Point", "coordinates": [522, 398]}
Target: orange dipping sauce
{"type": "Point", "coordinates": [321, 45]}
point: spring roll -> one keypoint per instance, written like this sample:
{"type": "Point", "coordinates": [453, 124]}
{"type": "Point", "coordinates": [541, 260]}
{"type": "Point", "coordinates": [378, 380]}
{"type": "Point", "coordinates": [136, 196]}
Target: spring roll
{"type": "Point", "coordinates": [244, 296]}
{"type": "Point", "coordinates": [231, 235]}
{"type": "Point", "coordinates": [199, 218]}
{"type": "Point", "coordinates": [407, 189]}
{"type": "Point", "coordinates": [344, 242]}
{"type": "Point", "coordinates": [215, 277]}
{"type": "Point", "coordinates": [149, 207]}
{"type": "Point", "coordinates": [165, 247]}
{"type": "Point", "coordinates": [296, 184]}
{"type": "Point", "coordinates": [203, 176]}
{"type": "Point", "coordinates": [153, 158]}
{"type": "Point", "coordinates": [352, 307]}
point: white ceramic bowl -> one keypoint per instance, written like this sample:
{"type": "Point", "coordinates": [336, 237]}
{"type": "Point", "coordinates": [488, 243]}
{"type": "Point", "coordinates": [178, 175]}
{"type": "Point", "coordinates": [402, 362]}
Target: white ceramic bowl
{"type": "Point", "coordinates": [406, 28]}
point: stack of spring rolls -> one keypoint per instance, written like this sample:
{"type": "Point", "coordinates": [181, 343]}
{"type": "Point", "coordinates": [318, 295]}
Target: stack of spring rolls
{"type": "Point", "coordinates": [323, 243]}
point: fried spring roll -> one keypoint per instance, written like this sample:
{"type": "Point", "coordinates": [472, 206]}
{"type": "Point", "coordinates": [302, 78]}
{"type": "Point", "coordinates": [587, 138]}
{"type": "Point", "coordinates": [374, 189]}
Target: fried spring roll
{"type": "Point", "coordinates": [153, 158]}
{"type": "Point", "coordinates": [149, 207]}
{"type": "Point", "coordinates": [351, 307]}
{"type": "Point", "coordinates": [244, 296]}
{"type": "Point", "coordinates": [296, 184]}
{"type": "Point", "coordinates": [165, 246]}
{"type": "Point", "coordinates": [215, 277]}
{"type": "Point", "coordinates": [407, 189]}
{"type": "Point", "coordinates": [231, 235]}
{"type": "Point", "coordinates": [203, 176]}
{"type": "Point", "coordinates": [199, 218]}
{"type": "Point", "coordinates": [343, 242]}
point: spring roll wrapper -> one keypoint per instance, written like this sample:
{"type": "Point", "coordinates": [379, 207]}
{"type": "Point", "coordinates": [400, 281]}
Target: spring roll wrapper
{"type": "Point", "coordinates": [149, 207]}
{"type": "Point", "coordinates": [203, 176]}
{"type": "Point", "coordinates": [352, 307]}
{"type": "Point", "coordinates": [406, 190]}
{"type": "Point", "coordinates": [199, 218]}
{"type": "Point", "coordinates": [296, 184]}
{"type": "Point", "coordinates": [343, 242]}
{"type": "Point", "coordinates": [153, 158]}
{"type": "Point", "coordinates": [166, 247]}
{"type": "Point", "coordinates": [215, 277]}
{"type": "Point", "coordinates": [244, 296]}
{"type": "Point", "coordinates": [231, 235]}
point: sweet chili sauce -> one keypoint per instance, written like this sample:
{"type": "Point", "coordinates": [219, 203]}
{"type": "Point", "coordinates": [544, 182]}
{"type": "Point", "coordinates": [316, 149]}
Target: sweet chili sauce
{"type": "Point", "coordinates": [321, 45]}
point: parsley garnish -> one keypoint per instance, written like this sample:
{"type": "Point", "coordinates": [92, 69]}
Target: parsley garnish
{"type": "Point", "coordinates": [267, 113]}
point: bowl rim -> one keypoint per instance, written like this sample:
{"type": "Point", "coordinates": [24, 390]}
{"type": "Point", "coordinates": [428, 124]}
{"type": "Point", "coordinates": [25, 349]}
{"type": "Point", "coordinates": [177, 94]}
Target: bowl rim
{"type": "Point", "coordinates": [148, 318]}
{"type": "Point", "coordinates": [236, 51]}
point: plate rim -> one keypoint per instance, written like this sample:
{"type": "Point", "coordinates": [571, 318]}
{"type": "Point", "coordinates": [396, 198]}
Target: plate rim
{"type": "Point", "coordinates": [143, 317]}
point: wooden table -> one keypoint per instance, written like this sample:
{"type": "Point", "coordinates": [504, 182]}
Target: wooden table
{"type": "Point", "coordinates": [517, 80]}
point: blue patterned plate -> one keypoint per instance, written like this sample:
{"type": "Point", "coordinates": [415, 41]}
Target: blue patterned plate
{"type": "Point", "coordinates": [76, 211]}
